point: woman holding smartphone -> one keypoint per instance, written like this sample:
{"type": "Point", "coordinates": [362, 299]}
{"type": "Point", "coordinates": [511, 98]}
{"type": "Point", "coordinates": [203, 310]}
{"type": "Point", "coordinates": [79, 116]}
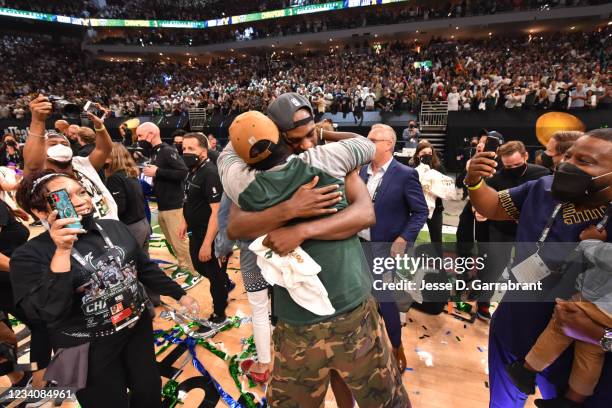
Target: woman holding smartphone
{"type": "Point", "coordinates": [85, 281]}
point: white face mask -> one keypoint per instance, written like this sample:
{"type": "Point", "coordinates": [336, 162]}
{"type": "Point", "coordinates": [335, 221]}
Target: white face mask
{"type": "Point", "coordinates": [60, 153]}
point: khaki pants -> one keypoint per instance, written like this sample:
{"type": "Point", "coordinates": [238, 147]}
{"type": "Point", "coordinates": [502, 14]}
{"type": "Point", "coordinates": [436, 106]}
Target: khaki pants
{"type": "Point", "coordinates": [588, 358]}
{"type": "Point", "coordinates": [169, 222]}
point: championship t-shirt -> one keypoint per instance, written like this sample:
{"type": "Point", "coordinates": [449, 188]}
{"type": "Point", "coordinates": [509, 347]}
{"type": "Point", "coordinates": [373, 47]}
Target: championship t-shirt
{"type": "Point", "coordinates": [344, 271]}
{"type": "Point", "coordinates": [103, 201]}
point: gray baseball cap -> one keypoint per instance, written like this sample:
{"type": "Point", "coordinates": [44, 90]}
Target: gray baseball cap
{"type": "Point", "coordinates": [281, 111]}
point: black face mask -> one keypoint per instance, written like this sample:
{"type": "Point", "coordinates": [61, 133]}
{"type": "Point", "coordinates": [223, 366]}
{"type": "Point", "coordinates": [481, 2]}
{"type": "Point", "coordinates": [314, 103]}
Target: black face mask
{"type": "Point", "coordinates": [179, 148]}
{"type": "Point", "coordinates": [88, 221]}
{"type": "Point", "coordinates": [571, 184]}
{"type": "Point", "coordinates": [280, 152]}
{"type": "Point", "coordinates": [147, 147]}
{"type": "Point", "coordinates": [547, 161]}
{"type": "Point", "coordinates": [426, 159]}
{"type": "Point", "coordinates": [516, 172]}
{"type": "Point", "coordinates": [191, 160]}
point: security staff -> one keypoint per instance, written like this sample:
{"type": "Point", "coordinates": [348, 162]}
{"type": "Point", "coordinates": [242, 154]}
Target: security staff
{"type": "Point", "coordinates": [168, 171]}
{"type": "Point", "coordinates": [203, 192]}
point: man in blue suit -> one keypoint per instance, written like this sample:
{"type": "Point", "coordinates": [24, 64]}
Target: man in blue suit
{"type": "Point", "coordinates": [401, 212]}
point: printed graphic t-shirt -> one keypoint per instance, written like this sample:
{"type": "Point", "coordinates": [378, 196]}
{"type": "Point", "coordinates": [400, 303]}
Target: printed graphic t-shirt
{"type": "Point", "coordinates": [103, 201]}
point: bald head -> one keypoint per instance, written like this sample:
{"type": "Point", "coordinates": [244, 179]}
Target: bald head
{"type": "Point", "coordinates": [150, 132]}
{"type": "Point", "coordinates": [61, 125]}
{"type": "Point", "coordinates": [73, 131]}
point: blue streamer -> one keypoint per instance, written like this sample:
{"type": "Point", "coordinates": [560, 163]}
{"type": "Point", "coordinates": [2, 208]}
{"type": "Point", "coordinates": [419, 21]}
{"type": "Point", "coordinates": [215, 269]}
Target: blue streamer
{"type": "Point", "coordinates": [231, 402]}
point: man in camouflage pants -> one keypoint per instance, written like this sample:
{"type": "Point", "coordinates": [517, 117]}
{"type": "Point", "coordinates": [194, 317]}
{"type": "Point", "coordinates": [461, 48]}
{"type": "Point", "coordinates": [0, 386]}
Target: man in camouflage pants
{"type": "Point", "coordinates": [307, 347]}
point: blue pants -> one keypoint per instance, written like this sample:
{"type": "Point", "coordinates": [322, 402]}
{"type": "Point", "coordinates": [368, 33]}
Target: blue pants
{"type": "Point", "coordinates": [504, 394]}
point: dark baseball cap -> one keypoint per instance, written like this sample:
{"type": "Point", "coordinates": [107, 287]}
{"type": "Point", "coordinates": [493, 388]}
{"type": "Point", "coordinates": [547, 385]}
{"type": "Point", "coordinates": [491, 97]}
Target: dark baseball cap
{"type": "Point", "coordinates": [281, 111]}
{"type": "Point", "coordinates": [496, 134]}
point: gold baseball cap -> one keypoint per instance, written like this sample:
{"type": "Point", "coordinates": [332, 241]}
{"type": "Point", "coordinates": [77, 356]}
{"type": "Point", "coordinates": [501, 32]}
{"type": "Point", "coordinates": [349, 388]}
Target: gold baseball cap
{"type": "Point", "coordinates": [253, 136]}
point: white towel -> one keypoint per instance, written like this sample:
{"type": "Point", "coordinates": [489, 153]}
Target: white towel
{"type": "Point", "coordinates": [296, 272]}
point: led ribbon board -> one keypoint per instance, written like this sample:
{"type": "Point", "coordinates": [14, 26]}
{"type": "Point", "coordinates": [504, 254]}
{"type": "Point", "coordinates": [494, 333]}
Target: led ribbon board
{"type": "Point", "coordinates": [225, 21]}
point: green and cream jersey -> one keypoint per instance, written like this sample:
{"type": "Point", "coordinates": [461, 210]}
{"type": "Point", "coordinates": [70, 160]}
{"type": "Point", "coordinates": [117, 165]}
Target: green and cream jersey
{"type": "Point", "coordinates": [344, 271]}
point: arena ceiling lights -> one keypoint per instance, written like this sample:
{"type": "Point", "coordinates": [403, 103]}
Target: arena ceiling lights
{"type": "Point", "coordinates": [244, 18]}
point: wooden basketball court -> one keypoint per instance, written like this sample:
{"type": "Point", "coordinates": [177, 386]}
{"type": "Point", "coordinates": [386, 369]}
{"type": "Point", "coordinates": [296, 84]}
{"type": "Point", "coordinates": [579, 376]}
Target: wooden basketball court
{"type": "Point", "coordinates": [447, 357]}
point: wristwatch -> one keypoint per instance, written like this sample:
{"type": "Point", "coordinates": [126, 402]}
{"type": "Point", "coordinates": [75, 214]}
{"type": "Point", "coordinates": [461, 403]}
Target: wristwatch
{"type": "Point", "coordinates": [606, 340]}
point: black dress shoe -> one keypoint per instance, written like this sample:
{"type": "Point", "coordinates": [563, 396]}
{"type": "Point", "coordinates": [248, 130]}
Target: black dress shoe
{"type": "Point", "coordinates": [521, 377]}
{"type": "Point", "coordinates": [559, 402]}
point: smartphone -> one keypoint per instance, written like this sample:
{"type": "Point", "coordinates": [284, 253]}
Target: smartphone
{"type": "Point", "coordinates": [60, 200]}
{"type": "Point", "coordinates": [492, 144]}
{"type": "Point", "coordinates": [92, 107]}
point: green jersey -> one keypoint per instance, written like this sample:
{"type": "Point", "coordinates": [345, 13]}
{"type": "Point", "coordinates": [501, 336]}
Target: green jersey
{"type": "Point", "coordinates": [344, 271]}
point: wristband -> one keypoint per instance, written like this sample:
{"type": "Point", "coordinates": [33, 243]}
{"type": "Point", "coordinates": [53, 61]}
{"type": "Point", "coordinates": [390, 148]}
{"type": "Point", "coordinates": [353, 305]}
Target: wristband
{"type": "Point", "coordinates": [99, 129]}
{"type": "Point", "coordinates": [321, 134]}
{"type": "Point", "coordinates": [476, 186]}
{"type": "Point", "coordinates": [37, 135]}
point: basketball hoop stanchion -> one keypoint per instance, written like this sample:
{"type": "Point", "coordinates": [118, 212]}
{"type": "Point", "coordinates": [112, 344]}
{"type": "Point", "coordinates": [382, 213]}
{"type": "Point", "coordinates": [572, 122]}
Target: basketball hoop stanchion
{"type": "Point", "coordinates": [191, 331]}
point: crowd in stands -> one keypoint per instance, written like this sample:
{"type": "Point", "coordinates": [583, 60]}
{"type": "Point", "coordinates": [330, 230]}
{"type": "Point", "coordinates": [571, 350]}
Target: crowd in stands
{"type": "Point", "coordinates": [560, 71]}
{"type": "Point", "coordinates": [321, 22]}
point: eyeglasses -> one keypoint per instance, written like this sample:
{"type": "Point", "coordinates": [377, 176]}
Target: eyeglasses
{"type": "Point", "coordinates": [380, 140]}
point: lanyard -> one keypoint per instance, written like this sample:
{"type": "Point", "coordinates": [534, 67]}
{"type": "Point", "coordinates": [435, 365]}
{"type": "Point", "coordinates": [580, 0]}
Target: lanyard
{"type": "Point", "coordinates": [81, 260]}
{"type": "Point", "coordinates": [548, 226]}
{"type": "Point", "coordinates": [377, 186]}
{"type": "Point", "coordinates": [601, 225]}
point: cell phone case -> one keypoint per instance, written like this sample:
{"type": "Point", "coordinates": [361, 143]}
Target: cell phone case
{"type": "Point", "coordinates": [60, 201]}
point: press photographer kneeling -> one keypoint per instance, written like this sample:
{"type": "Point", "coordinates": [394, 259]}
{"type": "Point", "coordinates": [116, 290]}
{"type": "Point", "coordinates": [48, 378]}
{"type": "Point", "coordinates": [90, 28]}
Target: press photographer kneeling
{"type": "Point", "coordinates": [84, 278]}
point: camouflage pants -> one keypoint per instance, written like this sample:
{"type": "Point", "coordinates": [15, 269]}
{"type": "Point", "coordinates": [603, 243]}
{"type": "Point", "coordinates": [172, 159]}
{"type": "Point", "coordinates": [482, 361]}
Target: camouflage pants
{"type": "Point", "coordinates": [354, 344]}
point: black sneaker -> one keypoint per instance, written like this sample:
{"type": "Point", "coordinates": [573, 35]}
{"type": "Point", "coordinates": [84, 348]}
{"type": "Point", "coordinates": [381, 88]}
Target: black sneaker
{"type": "Point", "coordinates": [483, 313]}
{"type": "Point", "coordinates": [217, 319]}
{"type": "Point", "coordinates": [522, 377]}
{"type": "Point", "coordinates": [231, 285]}
{"type": "Point", "coordinates": [25, 381]}
{"type": "Point", "coordinates": [560, 402]}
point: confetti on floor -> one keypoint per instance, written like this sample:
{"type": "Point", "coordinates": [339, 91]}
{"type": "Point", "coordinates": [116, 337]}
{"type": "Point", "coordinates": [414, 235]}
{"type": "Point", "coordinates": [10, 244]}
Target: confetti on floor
{"type": "Point", "coordinates": [480, 349]}
{"type": "Point", "coordinates": [457, 337]}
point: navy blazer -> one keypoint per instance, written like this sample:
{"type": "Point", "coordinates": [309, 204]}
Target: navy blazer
{"type": "Point", "coordinates": [400, 205]}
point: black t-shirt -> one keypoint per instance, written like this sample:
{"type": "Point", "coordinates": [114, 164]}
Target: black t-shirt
{"type": "Point", "coordinates": [78, 305]}
{"type": "Point", "coordinates": [203, 187]}
{"type": "Point", "coordinates": [12, 235]}
{"type": "Point", "coordinates": [86, 150]}
{"type": "Point", "coordinates": [503, 181]}
{"type": "Point", "coordinates": [213, 155]}
{"type": "Point", "coordinates": [169, 181]}
{"type": "Point", "coordinates": [128, 195]}
{"type": "Point", "coordinates": [6, 158]}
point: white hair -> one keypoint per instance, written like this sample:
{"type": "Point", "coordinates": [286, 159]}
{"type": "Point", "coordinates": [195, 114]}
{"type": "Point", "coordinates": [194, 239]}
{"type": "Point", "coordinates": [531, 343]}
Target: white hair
{"type": "Point", "coordinates": [388, 130]}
